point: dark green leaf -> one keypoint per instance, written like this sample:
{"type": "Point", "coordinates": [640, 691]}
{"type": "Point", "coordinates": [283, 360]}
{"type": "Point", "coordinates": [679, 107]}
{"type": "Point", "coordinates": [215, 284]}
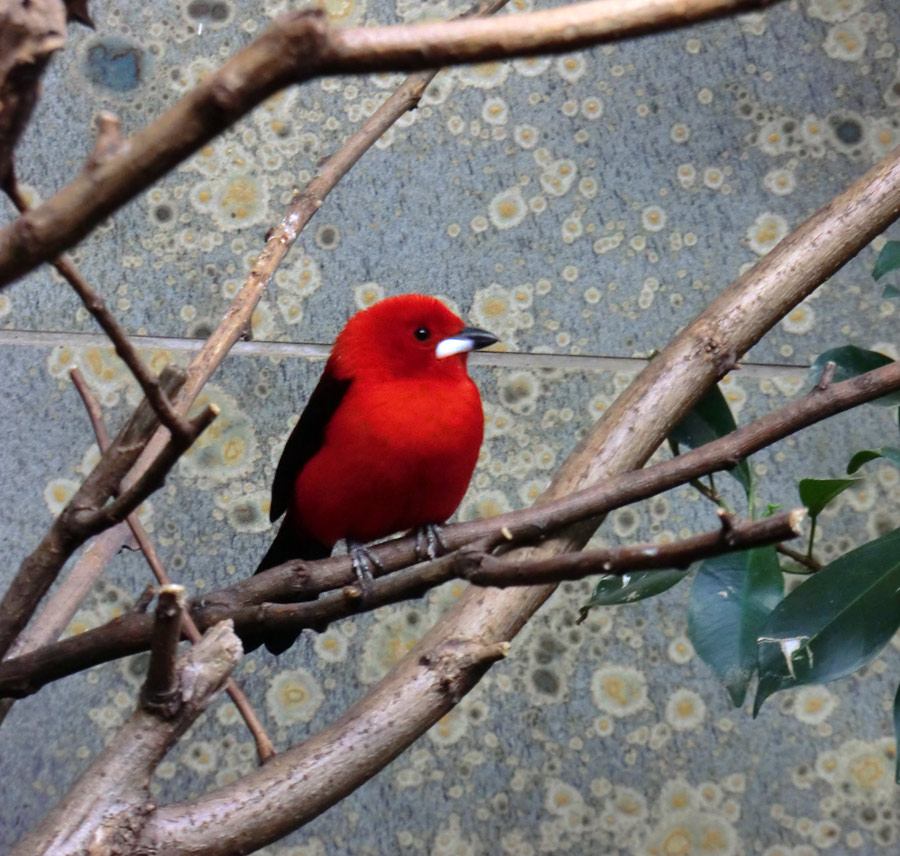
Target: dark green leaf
{"type": "Point", "coordinates": [888, 260]}
{"type": "Point", "coordinates": [834, 622]}
{"type": "Point", "coordinates": [815, 494]}
{"type": "Point", "coordinates": [710, 419]}
{"type": "Point", "coordinates": [627, 588]}
{"type": "Point", "coordinates": [890, 292]}
{"type": "Point", "coordinates": [731, 598]}
{"type": "Point", "coordinates": [897, 733]}
{"type": "Point", "coordinates": [889, 453]}
{"type": "Point", "coordinates": [849, 362]}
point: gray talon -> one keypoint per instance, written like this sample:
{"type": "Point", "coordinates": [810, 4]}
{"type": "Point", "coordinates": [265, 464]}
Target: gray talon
{"type": "Point", "coordinates": [364, 566]}
{"type": "Point", "coordinates": [428, 542]}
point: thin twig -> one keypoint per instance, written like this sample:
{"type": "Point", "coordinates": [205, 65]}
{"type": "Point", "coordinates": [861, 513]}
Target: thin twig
{"type": "Point", "coordinates": [264, 747]}
{"type": "Point", "coordinates": [299, 46]}
{"type": "Point", "coordinates": [827, 375]}
{"type": "Point", "coordinates": [124, 348]}
{"type": "Point", "coordinates": [490, 570]}
{"type": "Point", "coordinates": [41, 567]}
{"type": "Point", "coordinates": [145, 598]}
{"type": "Point", "coordinates": [93, 520]}
{"type": "Point", "coordinates": [807, 562]}
{"type": "Point", "coordinates": [92, 405]}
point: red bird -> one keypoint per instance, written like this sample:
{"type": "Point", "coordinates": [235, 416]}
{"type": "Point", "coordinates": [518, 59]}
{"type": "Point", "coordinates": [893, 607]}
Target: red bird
{"type": "Point", "coordinates": [388, 440]}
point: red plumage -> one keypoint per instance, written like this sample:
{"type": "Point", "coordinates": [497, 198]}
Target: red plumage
{"type": "Point", "coordinates": [390, 436]}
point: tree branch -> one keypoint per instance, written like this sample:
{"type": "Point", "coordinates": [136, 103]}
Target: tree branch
{"type": "Point", "coordinates": [314, 775]}
{"type": "Point", "coordinates": [160, 692]}
{"type": "Point", "coordinates": [113, 794]}
{"type": "Point", "coordinates": [490, 570]}
{"type": "Point", "coordinates": [808, 562]}
{"type": "Point", "coordinates": [301, 581]}
{"type": "Point", "coordinates": [96, 305]}
{"type": "Point", "coordinates": [40, 568]}
{"type": "Point", "coordinates": [264, 746]}
{"type": "Point", "coordinates": [299, 46]}
{"type": "Point", "coordinates": [479, 566]}
{"type": "Point", "coordinates": [89, 521]}
{"type": "Point", "coordinates": [30, 32]}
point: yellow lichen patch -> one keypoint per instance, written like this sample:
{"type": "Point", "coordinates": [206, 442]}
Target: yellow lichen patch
{"type": "Point", "coordinates": [507, 209]}
{"type": "Point", "coordinates": [619, 690]}
{"type": "Point", "coordinates": [331, 646]}
{"type": "Point", "coordinates": [293, 697]}
{"type": "Point", "coordinates": [449, 728]}
{"type": "Point", "coordinates": [239, 198]}
{"type": "Point", "coordinates": [765, 232]}
{"type": "Point", "coordinates": [228, 447]}
{"type": "Point", "coordinates": [685, 710]}
{"type": "Point", "coordinates": [693, 833]}
{"type": "Point", "coordinates": [813, 705]}
{"type": "Point", "coordinates": [342, 11]}
{"type": "Point", "coordinates": [388, 642]}
{"type": "Point", "coordinates": [57, 493]}
{"type": "Point", "coordinates": [367, 293]}
{"type": "Point", "coordinates": [484, 75]}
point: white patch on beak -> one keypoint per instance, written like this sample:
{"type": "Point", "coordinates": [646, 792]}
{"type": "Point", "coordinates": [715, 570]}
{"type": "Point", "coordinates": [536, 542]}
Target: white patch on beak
{"type": "Point", "coordinates": [449, 347]}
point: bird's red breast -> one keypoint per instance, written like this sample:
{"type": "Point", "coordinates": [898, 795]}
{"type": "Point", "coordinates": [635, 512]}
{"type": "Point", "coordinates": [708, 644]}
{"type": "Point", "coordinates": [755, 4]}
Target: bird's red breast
{"type": "Point", "coordinates": [390, 436]}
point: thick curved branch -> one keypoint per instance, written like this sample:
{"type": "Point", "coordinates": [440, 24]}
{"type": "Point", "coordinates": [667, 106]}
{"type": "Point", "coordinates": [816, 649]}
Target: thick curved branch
{"type": "Point", "coordinates": [299, 46]}
{"type": "Point", "coordinates": [315, 774]}
{"type": "Point", "coordinates": [113, 794]}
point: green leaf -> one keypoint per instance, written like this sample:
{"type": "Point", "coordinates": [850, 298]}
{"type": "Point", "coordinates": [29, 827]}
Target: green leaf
{"type": "Point", "coordinates": [834, 622]}
{"type": "Point", "coordinates": [888, 260]}
{"type": "Point", "coordinates": [709, 419]}
{"type": "Point", "coordinates": [815, 494]}
{"type": "Point", "coordinates": [731, 598]}
{"type": "Point", "coordinates": [850, 361]}
{"type": "Point", "coordinates": [612, 589]}
{"type": "Point", "coordinates": [889, 453]}
{"type": "Point", "coordinates": [890, 292]}
{"type": "Point", "coordinates": [897, 733]}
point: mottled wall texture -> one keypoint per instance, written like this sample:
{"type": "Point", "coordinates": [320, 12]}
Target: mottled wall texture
{"type": "Point", "coordinates": [583, 208]}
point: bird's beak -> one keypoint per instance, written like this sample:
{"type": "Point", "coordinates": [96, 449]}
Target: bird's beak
{"type": "Point", "coordinates": [467, 339]}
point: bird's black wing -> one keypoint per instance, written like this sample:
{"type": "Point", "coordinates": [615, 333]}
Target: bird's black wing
{"type": "Point", "coordinates": [307, 438]}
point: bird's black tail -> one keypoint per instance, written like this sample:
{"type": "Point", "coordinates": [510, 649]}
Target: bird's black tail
{"type": "Point", "coordinates": [288, 544]}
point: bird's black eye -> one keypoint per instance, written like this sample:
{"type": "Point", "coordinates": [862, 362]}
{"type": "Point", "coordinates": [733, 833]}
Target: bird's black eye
{"type": "Point", "coordinates": [422, 334]}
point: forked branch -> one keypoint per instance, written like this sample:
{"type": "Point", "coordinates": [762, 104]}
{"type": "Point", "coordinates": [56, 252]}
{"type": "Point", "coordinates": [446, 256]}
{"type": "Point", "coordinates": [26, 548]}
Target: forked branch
{"type": "Point", "coordinates": [299, 46]}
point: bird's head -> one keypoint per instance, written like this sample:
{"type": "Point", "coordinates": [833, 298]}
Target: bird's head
{"type": "Point", "coordinates": [407, 336]}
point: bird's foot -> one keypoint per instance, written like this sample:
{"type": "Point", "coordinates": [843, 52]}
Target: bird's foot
{"type": "Point", "coordinates": [364, 566]}
{"type": "Point", "coordinates": [428, 542]}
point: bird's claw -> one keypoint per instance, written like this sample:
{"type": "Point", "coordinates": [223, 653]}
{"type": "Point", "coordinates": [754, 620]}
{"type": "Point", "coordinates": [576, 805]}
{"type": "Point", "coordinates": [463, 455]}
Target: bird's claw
{"type": "Point", "coordinates": [364, 566]}
{"type": "Point", "coordinates": [428, 542]}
